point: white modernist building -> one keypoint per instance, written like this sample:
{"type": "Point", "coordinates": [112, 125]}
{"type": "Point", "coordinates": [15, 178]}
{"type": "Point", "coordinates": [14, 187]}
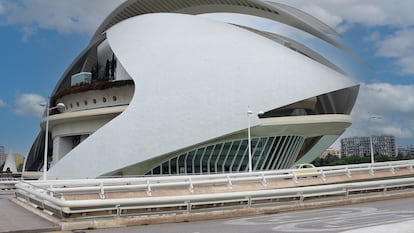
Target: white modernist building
{"type": "Point", "coordinates": [170, 92]}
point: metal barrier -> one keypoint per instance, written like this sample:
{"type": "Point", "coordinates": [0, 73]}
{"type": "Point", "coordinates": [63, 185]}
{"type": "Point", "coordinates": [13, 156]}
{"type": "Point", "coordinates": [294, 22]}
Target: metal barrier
{"type": "Point", "coordinates": [94, 197]}
{"type": "Point", "coordinates": [206, 202]}
{"type": "Point", "coordinates": [7, 184]}
{"type": "Point", "coordinates": [103, 184]}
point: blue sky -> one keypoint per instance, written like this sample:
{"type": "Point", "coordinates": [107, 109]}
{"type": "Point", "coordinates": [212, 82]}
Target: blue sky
{"type": "Point", "coordinates": [40, 38]}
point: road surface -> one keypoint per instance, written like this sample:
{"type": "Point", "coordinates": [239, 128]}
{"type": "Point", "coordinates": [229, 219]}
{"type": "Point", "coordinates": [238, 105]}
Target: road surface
{"type": "Point", "coordinates": [384, 216]}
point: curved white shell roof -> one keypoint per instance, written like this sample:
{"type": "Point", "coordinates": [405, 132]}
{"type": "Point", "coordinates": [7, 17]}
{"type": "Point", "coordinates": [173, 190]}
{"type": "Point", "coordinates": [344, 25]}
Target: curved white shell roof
{"type": "Point", "coordinates": [194, 79]}
{"type": "Point", "coordinates": [266, 9]}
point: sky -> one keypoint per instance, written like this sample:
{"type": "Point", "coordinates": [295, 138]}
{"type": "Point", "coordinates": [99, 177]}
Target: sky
{"type": "Point", "coordinates": [40, 39]}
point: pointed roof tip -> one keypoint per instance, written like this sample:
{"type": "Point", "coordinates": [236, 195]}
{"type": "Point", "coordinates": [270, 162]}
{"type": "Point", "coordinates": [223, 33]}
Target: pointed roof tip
{"type": "Point", "coordinates": [10, 164]}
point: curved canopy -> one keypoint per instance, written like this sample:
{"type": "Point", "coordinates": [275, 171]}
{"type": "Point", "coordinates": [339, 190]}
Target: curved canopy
{"type": "Point", "coordinates": [260, 8]}
{"type": "Point", "coordinates": [266, 9]}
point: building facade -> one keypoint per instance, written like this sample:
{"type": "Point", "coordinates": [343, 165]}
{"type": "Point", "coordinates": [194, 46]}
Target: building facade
{"type": "Point", "coordinates": [170, 92]}
{"type": "Point", "coordinates": [382, 145]}
{"type": "Point", "coordinates": [2, 155]}
{"type": "Point", "coordinates": [405, 151]}
{"type": "Point", "coordinates": [331, 151]}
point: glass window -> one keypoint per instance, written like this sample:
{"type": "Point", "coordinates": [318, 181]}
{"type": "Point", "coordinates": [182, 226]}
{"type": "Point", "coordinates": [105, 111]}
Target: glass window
{"type": "Point", "coordinates": [114, 98]}
{"type": "Point", "coordinates": [206, 157]}
{"type": "Point", "coordinates": [213, 157]}
{"type": "Point", "coordinates": [274, 152]}
{"type": "Point", "coordinates": [173, 164]}
{"type": "Point", "coordinates": [166, 168]}
{"type": "Point", "coordinates": [181, 163]}
{"type": "Point", "coordinates": [104, 99]}
{"type": "Point", "coordinates": [257, 147]}
{"type": "Point", "coordinates": [241, 156]}
{"type": "Point", "coordinates": [76, 140]}
{"type": "Point", "coordinates": [231, 156]}
{"type": "Point", "coordinates": [94, 101]}
{"type": "Point", "coordinates": [156, 171]}
{"type": "Point", "coordinates": [197, 159]}
{"type": "Point", "coordinates": [189, 162]}
{"type": "Point", "coordinates": [265, 153]}
{"type": "Point", "coordinates": [223, 155]}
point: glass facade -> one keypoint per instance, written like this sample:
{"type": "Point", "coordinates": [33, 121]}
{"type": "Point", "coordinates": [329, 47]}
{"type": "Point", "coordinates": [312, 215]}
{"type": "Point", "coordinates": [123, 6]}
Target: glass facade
{"type": "Point", "coordinates": [268, 153]}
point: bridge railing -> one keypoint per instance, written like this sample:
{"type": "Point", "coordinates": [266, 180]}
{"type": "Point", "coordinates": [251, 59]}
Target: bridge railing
{"type": "Point", "coordinates": [96, 195]}
{"type": "Point", "coordinates": [193, 203]}
{"type": "Point", "coordinates": [103, 185]}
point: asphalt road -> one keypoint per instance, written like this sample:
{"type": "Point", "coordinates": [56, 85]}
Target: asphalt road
{"type": "Point", "coordinates": [15, 218]}
{"type": "Point", "coordinates": [385, 216]}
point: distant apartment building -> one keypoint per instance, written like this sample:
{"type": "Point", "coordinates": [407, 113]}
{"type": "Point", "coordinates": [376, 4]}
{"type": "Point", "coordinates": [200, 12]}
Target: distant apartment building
{"type": "Point", "coordinates": [18, 159]}
{"type": "Point", "coordinates": [2, 155]}
{"type": "Point", "coordinates": [381, 145]}
{"type": "Point", "coordinates": [331, 151]}
{"type": "Point", "coordinates": [405, 151]}
{"type": "Point", "coordinates": [15, 164]}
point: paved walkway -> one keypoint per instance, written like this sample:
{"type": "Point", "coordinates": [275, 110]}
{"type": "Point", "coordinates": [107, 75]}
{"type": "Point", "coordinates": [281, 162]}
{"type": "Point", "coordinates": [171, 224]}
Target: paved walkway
{"type": "Point", "coordinates": [15, 218]}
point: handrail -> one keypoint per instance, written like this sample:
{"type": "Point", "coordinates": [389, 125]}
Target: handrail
{"type": "Point", "coordinates": [314, 190]}
{"type": "Point", "coordinates": [74, 185]}
{"type": "Point", "coordinates": [51, 193]}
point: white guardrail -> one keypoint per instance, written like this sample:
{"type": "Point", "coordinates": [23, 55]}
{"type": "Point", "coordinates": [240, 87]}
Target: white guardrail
{"type": "Point", "coordinates": [7, 184]}
{"type": "Point", "coordinates": [52, 195]}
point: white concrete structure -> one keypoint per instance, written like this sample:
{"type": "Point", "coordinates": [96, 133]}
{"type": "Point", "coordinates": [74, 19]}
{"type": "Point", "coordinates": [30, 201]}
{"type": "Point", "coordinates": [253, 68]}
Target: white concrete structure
{"type": "Point", "coordinates": [10, 164]}
{"type": "Point", "coordinates": [179, 88]}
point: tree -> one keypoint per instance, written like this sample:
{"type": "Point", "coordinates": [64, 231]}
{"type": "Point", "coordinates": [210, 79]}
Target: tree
{"type": "Point", "coordinates": [106, 72]}
{"type": "Point", "coordinates": [95, 72]}
{"type": "Point", "coordinates": [318, 162]}
{"type": "Point", "coordinates": [331, 160]}
{"type": "Point", "coordinates": [20, 167]}
{"type": "Point", "coordinates": [355, 159]}
{"type": "Point", "coordinates": [113, 67]}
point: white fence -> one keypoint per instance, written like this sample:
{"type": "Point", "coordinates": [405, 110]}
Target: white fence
{"type": "Point", "coordinates": [107, 184]}
{"type": "Point", "coordinates": [50, 195]}
{"type": "Point", "coordinates": [7, 184]}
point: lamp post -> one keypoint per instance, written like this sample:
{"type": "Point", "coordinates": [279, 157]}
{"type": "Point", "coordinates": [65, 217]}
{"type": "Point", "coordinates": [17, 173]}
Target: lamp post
{"type": "Point", "coordinates": [249, 112]}
{"type": "Point", "coordinates": [249, 140]}
{"type": "Point", "coordinates": [61, 106]}
{"type": "Point", "coordinates": [370, 139]}
{"type": "Point", "coordinates": [372, 151]}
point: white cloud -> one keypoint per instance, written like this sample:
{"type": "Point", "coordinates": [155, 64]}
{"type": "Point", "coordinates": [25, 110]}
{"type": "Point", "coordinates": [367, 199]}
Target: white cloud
{"type": "Point", "coordinates": [391, 105]}
{"type": "Point", "coordinates": [65, 17]}
{"type": "Point", "coordinates": [400, 47]}
{"type": "Point", "coordinates": [396, 130]}
{"type": "Point", "coordinates": [365, 12]}
{"type": "Point", "coordinates": [29, 105]}
{"type": "Point", "coordinates": [372, 37]}
{"type": "Point", "coordinates": [406, 64]}
{"type": "Point", "coordinates": [396, 18]}
{"type": "Point", "coordinates": [383, 98]}
{"type": "Point", "coordinates": [27, 33]}
{"type": "Point", "coordinates": [398, 44]}
{"type": "Point", "coordinates": [2, 9]}
{"type": "Point", "coordinates": [2, 103]}
{"type": "Point", "coordinates": [79, 16]}
{"type": "Point", "coordinates": [325, 16]}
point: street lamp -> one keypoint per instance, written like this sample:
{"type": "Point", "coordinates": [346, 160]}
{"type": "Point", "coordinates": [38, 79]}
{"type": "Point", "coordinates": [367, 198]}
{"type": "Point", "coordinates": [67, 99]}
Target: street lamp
{"type": "Point", "coordinates": [58, 106]}
{"type": "Point", "coordinates": [249, 141]}
{"type": "Point", "coordinates": [370, 139]}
